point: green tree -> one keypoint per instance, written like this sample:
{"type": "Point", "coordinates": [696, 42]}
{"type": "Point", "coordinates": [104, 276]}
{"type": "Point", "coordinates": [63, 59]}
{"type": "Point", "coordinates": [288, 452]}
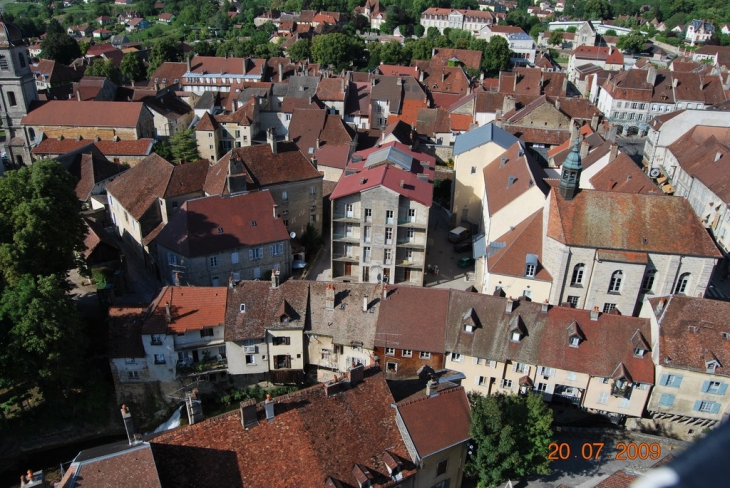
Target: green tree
{"type": "Point", "coordinates": [104, 67]}
{"type": "Point", "coordinates": [338, 50]}
{"type": "Point", "coordinates": [598, 9]}
{"type": "Point", "coordinates": [610, 32]}
{"type": "Point", "coordinates": [41, 231]}
{"type": "Point", "coordinates": [60, 47]}
{"type": "Point", "coordinates": [132, 67]}
{"type": "Point", "coordinates": [433, 33]}
{"type": "Point", "coordinates": [556, 38]}
{"type": "Point", "coordinates": [54, 27]}
{"type": "Point", "coordinates": [184, 146]}
{"type": "Point", "coordinates": [163, 149]}
{"type": "Point", "coordinates": [535, 31]}
{"type": "Point", "coordinates": [300, 50]}
{"type": "Point", "coordinates": [496, 55]}
{"type": "Point", "coordinates": [42, 335]}
{"type": "Point", "coordinates": [511, 434]}
{"type": "Point", "coordinates": [392, 53]}
{"type": "Point", "coordinates": [633, 42]}
{"type": "Point", "coordinates": [164, 51]}
{"type": "Point", "coordinates": [418, 30]}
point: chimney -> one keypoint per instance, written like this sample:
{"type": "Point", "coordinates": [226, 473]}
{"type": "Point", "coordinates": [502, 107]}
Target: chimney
{"type": "Point", "coordinates": [275, 208]}
{"type": "Point", "coordinates": [269, 408]}
{"type": "Point", "coordinates": [168, 315]}
{"type": "Point", "coordinates": [248, 414]}
{"type": "Point", "coordinates": [271, 140]}
{"type": "Point", "coordinates": [660, 306]}
{"type": "Point", "coordinates": [194, 407]}
{"type": "Point", "coordinates": [399, 81]}
{"type": "Point", "coordinates": [274, 279]}
{"type": "Point", "coordinates": [594, 314]}
{"type": "Point", "coordinates": [564, 89]}
{"type": "Point", "coordinates": [402, 183]}
{"type": "Point", "coordinates": [508, 104]}
{"type": "Point", "coordinates": [432, 387]}
{"type": "Point", "coordinates": [514, 83]}
{"type": "Point", "coordinates": [613, 152]}
{"type": "Point", "coordinates": [365, 303]}
{"type": "Point", "coordinates": [420, 77]}
{"type": "Point", "coordinates": [651, 75]}
{"type": "Point", "coordinates": [544, 306]}
{"type": "Point", "coordinates": [329, 297]}
{"type": "Point", "coordinates": [281, 73]}
{"type": "Point", "coordinates": [78, 95]}
{"type": "Point", "coordinates": [584, 147]}
{"type": "Point", "coordinates": [557, 104]}
{"type": "Point", "coordinates": [443, 75]}
{"type": "Point", "coordinates": [385, 291]}
{"type": "Point", "coordinates": [128, 424]}
{"type": "Point", "coordinates": [718, 155]}
{"type": "Point", "coordinates": [317, 143]}
{"type": "Point", "coordinates": [675, 82]}
{"type": "Point", "coordinates": [594, 122]}
{"type": "Point", "coordinates": [314, 162]}
{"type": "Point", "coordinates": [508, 307]}
{"type": "Point", "coordinates": [190, 67]}
{"type": "Point", "coordinates": [235, 104]}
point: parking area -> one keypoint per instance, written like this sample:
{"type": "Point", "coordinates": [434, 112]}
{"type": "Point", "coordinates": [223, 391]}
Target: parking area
{"type": "Point", "coordinates": [440, 253]}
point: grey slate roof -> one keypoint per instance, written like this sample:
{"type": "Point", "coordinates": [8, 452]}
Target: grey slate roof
{"type": "Point", "coordinates": [482, 135]}
{"type": "Point", "coordinates": [302, 86]}
{"type": "Point", "coordinates": [491, 338]}
{"type": "Point", "coordinates": [348, 325]}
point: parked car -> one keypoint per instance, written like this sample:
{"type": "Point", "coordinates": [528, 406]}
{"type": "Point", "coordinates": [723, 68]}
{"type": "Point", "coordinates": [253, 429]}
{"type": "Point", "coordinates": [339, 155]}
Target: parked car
{"type": "Point", "coordinates": [462, 246]}
{"type": "Point", "coordinates": [465, 262]}
{"type": "Point", "coordinates": [459, 234]}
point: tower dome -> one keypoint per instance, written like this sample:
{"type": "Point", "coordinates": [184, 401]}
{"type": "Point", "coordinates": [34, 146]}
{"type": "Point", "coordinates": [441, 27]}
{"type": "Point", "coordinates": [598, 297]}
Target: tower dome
{"type": "Point", "coordinates": [573, 160]}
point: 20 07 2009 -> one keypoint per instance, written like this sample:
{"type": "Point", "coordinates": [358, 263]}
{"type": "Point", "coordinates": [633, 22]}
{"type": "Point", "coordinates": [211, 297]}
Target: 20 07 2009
{"type": "Point", "coordinates": [624, 451]}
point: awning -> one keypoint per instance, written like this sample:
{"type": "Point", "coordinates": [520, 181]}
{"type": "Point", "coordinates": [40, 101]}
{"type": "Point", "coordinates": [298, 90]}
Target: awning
{"type": "Point", "coordinates": [668, 189]}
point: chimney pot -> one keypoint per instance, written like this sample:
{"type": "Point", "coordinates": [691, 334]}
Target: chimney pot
{"type": "Point", "coordinates": [509, 304]}
{"type": "Point", "coordinates": [168, 314]}
{"type": "Point", "coordinates": [365, 303]}
{"type": "Point", "coordinates": [594, 314]}
{"type": "Point", "coordinates": [544, 306]}
{"type": "Point", "coordinates": [432, 387]}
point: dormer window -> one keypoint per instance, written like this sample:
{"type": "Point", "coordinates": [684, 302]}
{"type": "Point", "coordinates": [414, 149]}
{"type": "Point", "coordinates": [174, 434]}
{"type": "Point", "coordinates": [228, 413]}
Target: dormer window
{"type": "Point", "coordinates": [574, 341]}
{"type": "Point", "coordinates": [712, 366]}
{"type": "Point", "coordinates": [530, 265]}
{"type": "Point", "coordinates": [468, 328]}
{"type": "Point", "coordinates": [242, 308]}
{"type": "Point", "coordinates": [515, 336]}
{"type": "Point", "coordinates": [639, 353]}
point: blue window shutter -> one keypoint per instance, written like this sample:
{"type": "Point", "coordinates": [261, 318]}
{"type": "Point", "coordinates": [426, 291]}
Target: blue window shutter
{"type": "Point", "coordinates": [705, 386]}
{"type": "Point", "coordinates": [715, 407]}
{"type": "Point", "coordinates": [697, 405]}
{"type": "Point", "coordinates": [723, 389]}
{"type": "Point", "coordinates": [678, 381]}
{"type": "Point", "coordinates": [663, 380]}
{"type": "Point", "coordinates": [666, 400]}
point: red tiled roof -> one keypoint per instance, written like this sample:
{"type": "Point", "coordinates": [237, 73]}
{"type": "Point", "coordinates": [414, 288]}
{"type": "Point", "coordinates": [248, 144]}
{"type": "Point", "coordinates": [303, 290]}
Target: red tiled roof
{"type": "Point", "coordinates": [264, 168]}
{"type": "Point", "coordinates": [141, 186]}
{"type": "Point", "coordinates": [506, 29]}
{"type": "Point", "coordinates": [437, 423]}
{"type": "Point", "coordinates": [86, 114]}
{"type": "Point", "coordinates": [133, 467]}
{"type": "Point", "coordinates": [623, 175]}
{"type": "Point", "coordinates": [687, 347]}
{"type": "Point", "coordinates": [331, 89]}
{"type": "Point", "coordinates": [397, 70]}
{"type": "Point", "coordinates": [471, 59]}
{"type": "Point", "coordinates": [311, 437]}
{"type": "Point", "coordinates": [397, 313]}
{"type": "Point", "coordinates": [389, 177]}
{"type": "Point", "coordinates": [608, 344]}
{"type": "Point", "coordinates": [628, 222]}
{"type": "Point", "coordinates": [619, 479]}
{"type": "Point", "coordinates": [507, 181]}
{"type": "Point", "coordinates": [524, 239]}
{"type": "Point", "coordinates": [245, 219]}
{"type": "Point", "coordinates": [125, 329]}
{"type": "Point", "coordinates": [191, 308]}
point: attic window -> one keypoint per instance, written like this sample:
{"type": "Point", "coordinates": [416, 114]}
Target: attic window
{"type": "Point", "coordinates": [725, 335]}
{"type": "Point", "coordinates": [711, 366]}
{"type": "Point", "coordinates": [639, 352]}
{"type": "Point", "coordinates": [515, 336]}
{"type": "Point", "coordinates": [574, 341]}
{"type": "Point", "coordinates": [220, 230]}
{"type": "Point", "coordinates": [253, 223]}
{"type": "Point", "coordinates": [243, 308]}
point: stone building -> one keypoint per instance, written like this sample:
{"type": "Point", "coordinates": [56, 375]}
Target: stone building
{"type": "Point", "coordinates": [213, 240]}
{"type": "Point", "coordinates": [17, 91]}
{"type": "Point", "coordinates": [380, 212]}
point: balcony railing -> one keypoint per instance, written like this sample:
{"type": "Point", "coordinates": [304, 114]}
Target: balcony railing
{"type": "Point", "coordinates": [346, 258]}
{"type": "Point", "coordinates": [346, 218]}
{"type": "Point", "coordinates": [249, 349]}
{"type": "Point", "coordinates": [346, 238]}
{"type": "Point", "coordinates": [406, 263]}
{"type": "Point", "coordinates": [186, 368]}
{"type": "Point", "coordinates": [411, 223]}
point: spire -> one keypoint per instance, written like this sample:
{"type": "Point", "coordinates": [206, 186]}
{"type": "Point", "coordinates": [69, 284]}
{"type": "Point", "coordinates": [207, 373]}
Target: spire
{"type": "Point", "coordinates": [570, 177]}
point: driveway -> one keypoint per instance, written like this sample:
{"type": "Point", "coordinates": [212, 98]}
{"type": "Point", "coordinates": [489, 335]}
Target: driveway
{"type": "Point", "coordinates": [440, 252]}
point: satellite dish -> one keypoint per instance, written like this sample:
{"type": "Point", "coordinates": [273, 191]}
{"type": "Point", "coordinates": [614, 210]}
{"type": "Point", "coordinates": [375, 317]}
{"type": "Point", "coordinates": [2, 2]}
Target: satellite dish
{"type": "Point", "coordinates": [293, 235]}
{"type": "Point", "coordinates": [655, 172]}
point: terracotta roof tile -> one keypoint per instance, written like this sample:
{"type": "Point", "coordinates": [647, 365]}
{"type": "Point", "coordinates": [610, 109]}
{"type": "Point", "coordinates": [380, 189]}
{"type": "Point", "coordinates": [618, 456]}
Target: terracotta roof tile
{"type": "Point", "coordinates": [509, 178]}
{"type": "Point", "coordinates": [191, 308]}
{"type": "Point", "coordinates": [331, 89]}
{"type": "Point", "coordinates": [96, 235]}
{"type": "Point", "coordinates": [397, 313]}
{"type": "Point", "coordinates": [628, 222]}
{"type": "Point", "coordinates": [311, 438]}
{"type": "Point", "coordinates": [133, 467]}
{"type": "Point", "coordinates": [263, 168]}
{"type": "Point", "coordinates": [195, 230]}
{"type": "Point", "coordinates": [86, 114]}
{"type": "Point", "coordinates": [689, 329]}
{"type": "Point", "coordinates": [619, 479]}
{"type": "Point", "coordinates": [623, 175]}
{"type": "Point", "coordinates": [607, 344]}
{"type": "Point", "coordinates": [471, 59]}
{"type": "Point", "coordinates": [125, 329]}
{"type": "Point", "coordinates": [524, 239]}
{"type": "Point", "coordinates": [141, 186]}
{"type": "Point", "coordinates": [438, 422]}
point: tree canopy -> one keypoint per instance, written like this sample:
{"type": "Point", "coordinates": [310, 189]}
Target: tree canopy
{"type": "Point", "coordinates": [184, 146]}
{"type": "Point", "coordinates": [496, 55]}
{"type": "Point", "coordinates": [132, 67]}
{"type": "Point", "coordinates": [104, 67]}
{"type": "Point", "coordinates": [633, 42]}
{"type": "Point", "coordinates": [163, 51]}
{"type": "Point", "coordinates": [338, 50]}
{"type": "Point", "coordinates": [511, 434]}
{"type": "Point", "coordinates": [40, 226]}
{"type": "Point", "coordinates": [60, 47]}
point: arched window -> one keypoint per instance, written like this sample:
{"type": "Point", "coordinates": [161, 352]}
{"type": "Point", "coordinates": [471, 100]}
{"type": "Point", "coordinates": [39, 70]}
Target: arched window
{"type": "Point", "coordinates": [647, 284]}
{"type": "Point", "coordinates": [615, 285]}
{"type": "Point", "coordinates": [682, 283]}
{"type": "Point", "coordinates": [577, 278]}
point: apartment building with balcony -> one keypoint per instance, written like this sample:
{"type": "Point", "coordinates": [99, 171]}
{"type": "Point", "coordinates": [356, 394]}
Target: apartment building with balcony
{"type": "Point", "coordinates": [380, 210]}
